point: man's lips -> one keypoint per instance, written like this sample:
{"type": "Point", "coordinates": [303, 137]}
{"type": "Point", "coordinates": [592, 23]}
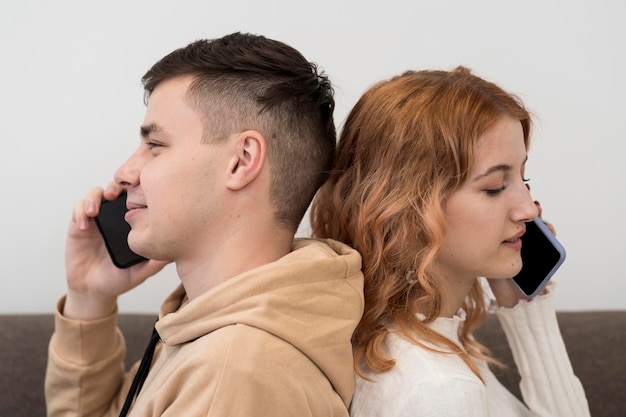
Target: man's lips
{"type": "Point", "coordinates": [133, 208]}
{"type": "Point", "coordinates": [131, 205]}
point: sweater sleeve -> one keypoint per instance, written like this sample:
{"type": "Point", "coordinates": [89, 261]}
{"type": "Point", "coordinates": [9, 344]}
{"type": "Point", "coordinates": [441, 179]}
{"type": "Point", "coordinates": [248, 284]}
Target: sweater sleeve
{"type": "Point", "coordinates": [548, 385]}
{"type": "Point", "coordinates": [85, 372]}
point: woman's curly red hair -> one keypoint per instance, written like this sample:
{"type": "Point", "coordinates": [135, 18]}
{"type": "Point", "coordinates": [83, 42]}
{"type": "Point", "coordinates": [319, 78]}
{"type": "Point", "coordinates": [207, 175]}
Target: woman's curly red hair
{"type": "Point", "coordinates": [405, 147]}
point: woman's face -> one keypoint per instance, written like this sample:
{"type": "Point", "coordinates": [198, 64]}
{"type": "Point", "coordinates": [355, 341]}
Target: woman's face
{"type": "Point", "coordinates": [486, 216]}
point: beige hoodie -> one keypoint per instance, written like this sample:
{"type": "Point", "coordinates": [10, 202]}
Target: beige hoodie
{"type": "Point", "coordinates": [274, 341]}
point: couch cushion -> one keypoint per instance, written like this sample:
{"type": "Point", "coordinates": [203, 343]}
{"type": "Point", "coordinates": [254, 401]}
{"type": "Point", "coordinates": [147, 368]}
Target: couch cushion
{"type": "Point", "coordinates": [595, 344]}
{"type": "Point", "coordinates": [24, 351]}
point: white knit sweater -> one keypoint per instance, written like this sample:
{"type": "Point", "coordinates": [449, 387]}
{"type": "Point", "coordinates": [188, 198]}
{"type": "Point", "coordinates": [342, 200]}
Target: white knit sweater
{"type": "Point", "coordinates": [430, 384]}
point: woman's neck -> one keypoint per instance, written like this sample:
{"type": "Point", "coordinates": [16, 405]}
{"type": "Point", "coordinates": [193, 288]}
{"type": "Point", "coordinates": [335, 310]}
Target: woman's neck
{"type": "Point", "coordinates": [454, 292]}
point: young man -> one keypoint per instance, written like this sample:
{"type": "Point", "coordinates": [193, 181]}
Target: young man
{"type": "Point", "coordinates": [238, 135]}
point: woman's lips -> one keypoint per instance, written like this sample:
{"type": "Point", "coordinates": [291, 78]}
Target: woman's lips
{"type": "Point", "coordinates": [515, 242]}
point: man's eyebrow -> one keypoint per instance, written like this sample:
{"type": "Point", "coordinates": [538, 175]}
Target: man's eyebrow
{"type": "Point", "coordinates": [147, 130]}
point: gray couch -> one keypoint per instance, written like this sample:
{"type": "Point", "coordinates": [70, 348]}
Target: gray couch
{"type": "Point", "coordinates": [595, 341]}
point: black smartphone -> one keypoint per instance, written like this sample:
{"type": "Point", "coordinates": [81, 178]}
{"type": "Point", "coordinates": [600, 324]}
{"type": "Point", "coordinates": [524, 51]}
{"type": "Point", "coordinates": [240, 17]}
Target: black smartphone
{"type": "Point", "coordinates": [542, 255]}
{"type": "Point", "coordinates": [114, 231]}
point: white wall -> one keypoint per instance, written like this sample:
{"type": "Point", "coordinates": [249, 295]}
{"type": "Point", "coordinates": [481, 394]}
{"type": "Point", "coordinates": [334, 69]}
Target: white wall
{"type": "Point", "coordinates": [71, 104]}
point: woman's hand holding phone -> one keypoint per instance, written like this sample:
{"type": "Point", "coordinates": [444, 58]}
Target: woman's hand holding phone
{"type": "Point", "coordinates": [541, 255]}
{"type": "Point", "coordinates": [94, 282]}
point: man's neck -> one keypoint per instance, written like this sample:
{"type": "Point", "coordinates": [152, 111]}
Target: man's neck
{"type": "Point", "coordinates": [206, 271]}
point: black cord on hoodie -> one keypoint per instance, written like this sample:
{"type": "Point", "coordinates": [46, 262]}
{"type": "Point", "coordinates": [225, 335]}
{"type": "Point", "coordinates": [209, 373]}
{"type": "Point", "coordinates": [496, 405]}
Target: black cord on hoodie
{"type": "Point", "coordinates": [142, 373]}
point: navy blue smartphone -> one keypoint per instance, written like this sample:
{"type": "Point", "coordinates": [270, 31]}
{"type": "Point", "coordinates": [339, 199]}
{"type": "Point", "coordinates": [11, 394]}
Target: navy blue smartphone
{"type": "Point", "coordinates": [542, 255]}
{"type": "Point", "coordinates": [114, 231]}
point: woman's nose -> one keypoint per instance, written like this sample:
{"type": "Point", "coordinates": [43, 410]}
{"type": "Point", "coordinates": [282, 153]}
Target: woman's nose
{"type": "Point", "coordinates": [526, 210]}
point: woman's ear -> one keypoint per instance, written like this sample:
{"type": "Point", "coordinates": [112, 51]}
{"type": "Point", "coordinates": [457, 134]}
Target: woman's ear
{"type": "Point", "coordinates": [248, 161]}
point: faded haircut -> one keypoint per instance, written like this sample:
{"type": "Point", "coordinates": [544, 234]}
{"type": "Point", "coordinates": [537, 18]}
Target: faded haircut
{"type": "Point", "coordinates": [245, 81]}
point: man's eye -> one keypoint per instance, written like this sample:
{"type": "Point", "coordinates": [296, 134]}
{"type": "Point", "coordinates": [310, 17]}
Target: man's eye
{"type": "Point", "coordinates": [152, 145]}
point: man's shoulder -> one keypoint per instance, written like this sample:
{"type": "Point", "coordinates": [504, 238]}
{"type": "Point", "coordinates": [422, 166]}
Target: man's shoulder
{"type": "Point", "coordinates": [244, 355]}
{"type": "Point", "coordinates": [243, 343]}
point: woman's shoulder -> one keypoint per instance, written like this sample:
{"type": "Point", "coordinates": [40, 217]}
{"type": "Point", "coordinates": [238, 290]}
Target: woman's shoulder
{"type": "Point", "coordinates": [421, 379]}
{"type": "Point", "coordinates": [426, 364]}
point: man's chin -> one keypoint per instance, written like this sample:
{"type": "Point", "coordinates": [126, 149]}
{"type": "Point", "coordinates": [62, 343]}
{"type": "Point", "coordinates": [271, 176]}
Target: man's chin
{"type": "Point", "coordinates": [140, 249]}
{"type": "Point", "coordinates": [147, 253]}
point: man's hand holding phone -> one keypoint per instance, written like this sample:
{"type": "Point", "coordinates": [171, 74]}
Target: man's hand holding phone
{"type": "Point", "coordinates": [94, 282]}
{"type": "Point", "coordinates": [111, 222]}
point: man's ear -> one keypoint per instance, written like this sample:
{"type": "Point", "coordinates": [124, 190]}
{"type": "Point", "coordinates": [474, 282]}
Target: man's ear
{"type": "Point", "coordinates": [248, 161]}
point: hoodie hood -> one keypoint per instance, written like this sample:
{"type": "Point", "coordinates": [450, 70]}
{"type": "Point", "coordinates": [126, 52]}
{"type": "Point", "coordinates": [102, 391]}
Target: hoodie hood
{"type": "Point", "coordinates": [311, 298]}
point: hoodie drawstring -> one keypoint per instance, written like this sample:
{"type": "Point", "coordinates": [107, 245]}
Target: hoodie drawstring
{"type": "Point", "coordinates": [142, 373]}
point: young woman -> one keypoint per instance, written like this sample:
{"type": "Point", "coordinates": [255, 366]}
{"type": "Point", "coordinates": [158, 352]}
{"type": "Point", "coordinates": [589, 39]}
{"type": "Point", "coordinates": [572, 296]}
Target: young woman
{"type": "Point", "coordinates": [429, 186]}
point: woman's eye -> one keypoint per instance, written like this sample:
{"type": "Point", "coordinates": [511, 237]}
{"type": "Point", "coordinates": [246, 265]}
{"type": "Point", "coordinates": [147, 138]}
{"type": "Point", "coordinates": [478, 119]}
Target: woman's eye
{"type": "Point", "coordinates": [495, 191]}
{"type": "Point", "coordinates": [152, 145]}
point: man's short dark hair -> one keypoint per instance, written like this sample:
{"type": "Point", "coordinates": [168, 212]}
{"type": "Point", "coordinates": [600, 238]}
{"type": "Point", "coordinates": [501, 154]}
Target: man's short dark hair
{"type": "Point", "coordinates": [245, 81]}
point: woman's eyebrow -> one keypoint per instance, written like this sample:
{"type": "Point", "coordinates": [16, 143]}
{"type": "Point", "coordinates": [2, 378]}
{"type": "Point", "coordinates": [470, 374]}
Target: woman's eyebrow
{"type": "Point", "coordinates": [495, 168]}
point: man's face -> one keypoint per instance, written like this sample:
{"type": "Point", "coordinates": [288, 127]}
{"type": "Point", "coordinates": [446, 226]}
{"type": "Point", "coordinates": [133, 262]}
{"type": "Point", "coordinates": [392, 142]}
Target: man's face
{"type": "Point", "coordinates": [173, 179]}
